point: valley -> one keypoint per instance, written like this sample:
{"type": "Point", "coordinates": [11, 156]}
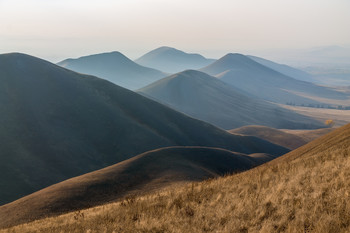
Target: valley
{"type": "Point", "coordinates": [101, 143]}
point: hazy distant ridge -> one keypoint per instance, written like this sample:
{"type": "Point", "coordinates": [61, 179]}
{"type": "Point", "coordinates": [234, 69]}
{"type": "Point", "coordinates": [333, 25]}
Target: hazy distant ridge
{"type": "Point", "coordinates": [114, 67]}
{"type": "Point", "coordinates": [172, 60]}
{"type": "Point", "coordinates": [263, 82]}
{"type": "Point", "coordinates": [207, 98]}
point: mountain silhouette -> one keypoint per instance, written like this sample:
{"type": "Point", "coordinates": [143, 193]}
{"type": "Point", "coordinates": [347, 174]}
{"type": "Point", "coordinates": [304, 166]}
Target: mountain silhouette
{"type": "Point", "coordinates": [171, 60]}
{"type": "Point", "coordinates": [114, 67]}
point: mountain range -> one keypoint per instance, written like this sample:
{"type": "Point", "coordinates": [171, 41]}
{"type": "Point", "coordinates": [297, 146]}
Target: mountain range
{"type": "Point", "coordinates": [207, 98]}
{"type": "Point", "coordinates": [263, 82]}
{"type": "Point", "coordinates": [70, 140]}
{"type": "Point", "coordinates": [56, 124]}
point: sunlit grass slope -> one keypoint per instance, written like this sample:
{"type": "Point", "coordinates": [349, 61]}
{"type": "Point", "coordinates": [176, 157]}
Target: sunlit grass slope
{"type": "Point", "coordinates": [290, 139]}
{"type": "Point", "coordinates": [147, 172]}
{"type": "Point", "coordinates": [306, 190]}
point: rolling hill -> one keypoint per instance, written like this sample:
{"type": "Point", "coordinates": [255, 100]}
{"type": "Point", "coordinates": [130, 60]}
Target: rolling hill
{"type": "Point", "coordinates": [56, 124]}
{"type": "Point", "coordinates": [306, 190]}
{"type": "Point", "coordinates": [141, 174]}
{"type": "Point", "coordinates": [309, 135]}
{"type": "Point", "coordinates": [242, 72]}
{"type": "Point", "coordinates": [114, 67]}
{"type": "Point", "coordinates": [290, 139]}
{"type": "Point", "coordinates": [171, 60]}
{"type": "Point", "coordinates": [207, 98]}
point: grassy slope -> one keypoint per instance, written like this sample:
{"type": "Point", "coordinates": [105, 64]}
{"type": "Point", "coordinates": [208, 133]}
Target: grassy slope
{"type": "Point", "coordinates": [291, 139]}
{"type": "Point", "coordinates": [138, 175]}
{"type": "Point", "coordinates": [306, 190]}
{"type": "Point", "coordinates": [56, 124]}
{"type": "Point", "coordinates": [309, 135]}
{"type": "Point", "coordinates": [207, 98]}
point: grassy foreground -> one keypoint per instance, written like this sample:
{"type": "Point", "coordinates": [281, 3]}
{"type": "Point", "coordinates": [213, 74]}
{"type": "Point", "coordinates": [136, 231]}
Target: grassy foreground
{"type": "Point", "coordinates": [307, 190]}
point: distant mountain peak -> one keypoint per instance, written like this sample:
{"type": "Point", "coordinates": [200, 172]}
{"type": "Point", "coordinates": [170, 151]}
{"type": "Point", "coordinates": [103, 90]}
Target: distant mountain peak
{"type": "Point", "coordinates": [228, 62]}
{"type": "Point", "coordinates": [172, 60]}
{"type": "Point", "coordinates": [115, 67]}
{"type": "Point", "coordinates": [164, 48]}
{"type": "Point", "coordinates": [234, 56]}
{"type": "Point", "coordinates": [114, 54]}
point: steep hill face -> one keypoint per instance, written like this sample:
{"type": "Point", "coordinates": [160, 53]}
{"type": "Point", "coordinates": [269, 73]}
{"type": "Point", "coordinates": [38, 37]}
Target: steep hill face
{"type": "Point", "coordinates": [284, 69]}
{"type": "Point", "coordinates": [56, 124]}
{"type": "Point", "coordinates": [171, 60]}
{"type": "Point", "coordinates": [114, 67]}
{"type": "Point", "coordinates": [143, 173]}
{"type": "Point", "coordinates": [242, 72]}
{"type": "Point", "coordinates": [207, 98]}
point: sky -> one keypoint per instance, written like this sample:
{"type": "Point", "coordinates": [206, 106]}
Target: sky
{"type": "Point", "coordinates": [58, 29]}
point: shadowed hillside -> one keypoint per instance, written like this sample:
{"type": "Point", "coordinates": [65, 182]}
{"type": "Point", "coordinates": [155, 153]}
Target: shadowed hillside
{"type": "Point", "coordinates": [56, 124]}
{"type": "Point", "coordinates": [207, 98]}
{"type": "Point", "coordinates": [306, 190]}
{"type": "Point", "coordinates": [114, 67]}
{"type": "Point", "coordinates": [291, 139]}
{"type": "Point", "coordinates": [171, 60]}
{"type": "Point", "coordinates": [138, 175]}
{"type": "Point", "coordinates": [242, 72]}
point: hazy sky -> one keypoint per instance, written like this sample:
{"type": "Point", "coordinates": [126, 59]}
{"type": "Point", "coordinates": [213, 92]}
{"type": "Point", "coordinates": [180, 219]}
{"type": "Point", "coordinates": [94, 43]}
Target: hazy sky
{"type": "Point", "coordinates": [56, 29]}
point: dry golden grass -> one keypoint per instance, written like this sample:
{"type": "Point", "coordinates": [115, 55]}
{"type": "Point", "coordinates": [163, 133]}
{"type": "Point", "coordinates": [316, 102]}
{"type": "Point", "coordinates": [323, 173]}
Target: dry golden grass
{"type": "Point", "coordinates": [306, 190]}
{"type": "Point", "coordinates": [308, 135]}
{"type": "Point", "coordinates": [277, 136]}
